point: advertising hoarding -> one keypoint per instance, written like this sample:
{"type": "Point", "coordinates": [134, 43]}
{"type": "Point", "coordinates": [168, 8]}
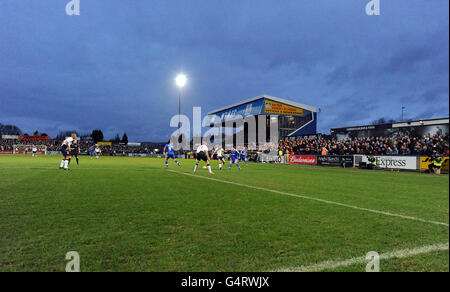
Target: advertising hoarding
{"type": "Point", "coordinates": [426, 161]}
{"type": "Point", "coordinates": [303, 159]}
{"type": "Point", "coordinates": [394, 162]}
{"type": "Point", "coordinates": [271, 107]}
{"type": "Point", "coordinates": [335, 160]}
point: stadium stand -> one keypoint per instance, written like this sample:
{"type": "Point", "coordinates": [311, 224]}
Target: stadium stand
{"type": "Point", "coordinates": [367, 146]}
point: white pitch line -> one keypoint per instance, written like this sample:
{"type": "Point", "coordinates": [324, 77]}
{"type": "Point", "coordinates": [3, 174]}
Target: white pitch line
{"type": "Point", "coordinates": [315, 199]}
{"type": "Point", "coordinates": [331, 265]}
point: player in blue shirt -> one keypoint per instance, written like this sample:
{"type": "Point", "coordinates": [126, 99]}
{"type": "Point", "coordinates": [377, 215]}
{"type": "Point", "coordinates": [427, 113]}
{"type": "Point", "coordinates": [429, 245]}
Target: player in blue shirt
{"type": "Point", "coordinates": [243, 156]}
{"type": "Point", "coordinates": [91, 151]}
{"type": "Point", "coordinates": [169, 153]}
{"type": "Point", "coordinates": [234, 158]}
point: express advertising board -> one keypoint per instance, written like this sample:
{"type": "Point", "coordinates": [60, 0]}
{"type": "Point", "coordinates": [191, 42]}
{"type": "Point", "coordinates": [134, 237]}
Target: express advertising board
{"type": "Point", "coordinates": [335, 161]}
{"type": "Point", "coordinates": [394, 162]}
{"type": "Point", "coordinates": [303, 159]}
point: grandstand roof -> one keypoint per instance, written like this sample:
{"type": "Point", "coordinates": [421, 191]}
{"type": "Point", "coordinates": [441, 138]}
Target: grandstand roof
{"type": "Point", "coordinates": [405, 124]}
{"type": "Point", "coordinates": [423, 122]}
{"type": "Point", "coordinates": [265, 96]}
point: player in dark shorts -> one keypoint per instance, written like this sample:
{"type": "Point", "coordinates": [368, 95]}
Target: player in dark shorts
{"type": "Point", "coordinates": [75, 150]}
{"type": "Point", "coordinates": [202, 154]}
{"type": "Point", "coordinates": [66, 151]}
{"type": "Point", "coordinates": [220, 156]}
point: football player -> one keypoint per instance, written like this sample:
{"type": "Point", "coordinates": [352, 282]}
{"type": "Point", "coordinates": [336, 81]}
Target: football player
{"type": "Point", "coordinates": [65, 151]}
{"type": "Point", "coordinates": [243, 156]}
{"type": "Point", "coordinates": [220, 156]}
{"type": "Point", "coordinates": [98, 152]}
{"type": "Point", "coordinates": [203, 154]}
{"type": "Point", "coordinates": [75, 150]}
{"type": "Point", "coordinates": [169, 153]}
{"type": "Point", "coordinates": [234, 158]}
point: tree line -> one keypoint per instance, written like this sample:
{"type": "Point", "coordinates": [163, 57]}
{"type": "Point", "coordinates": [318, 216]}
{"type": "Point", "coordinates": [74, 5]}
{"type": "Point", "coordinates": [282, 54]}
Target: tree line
{"type": "Point", "coordinates": [96, 135]}
{"type": "Point", "coordinates": [9, 130]}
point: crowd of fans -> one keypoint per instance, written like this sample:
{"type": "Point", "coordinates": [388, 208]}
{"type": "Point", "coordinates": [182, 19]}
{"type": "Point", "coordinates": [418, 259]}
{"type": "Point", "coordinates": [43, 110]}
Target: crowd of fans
{"type": "Point", "coordinates": [11, 144]}
{"type": "Point", "coordinates": [55, 145]}
{"type": "Point", "coordinates": [368, 146]}
{"type": "Point", "coordinates": [304, 146]}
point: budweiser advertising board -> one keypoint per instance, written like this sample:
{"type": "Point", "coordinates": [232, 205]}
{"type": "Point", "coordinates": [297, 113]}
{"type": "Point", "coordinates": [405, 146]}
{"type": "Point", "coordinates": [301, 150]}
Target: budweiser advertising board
{"type": "Point", "coordinates": [303, 159]}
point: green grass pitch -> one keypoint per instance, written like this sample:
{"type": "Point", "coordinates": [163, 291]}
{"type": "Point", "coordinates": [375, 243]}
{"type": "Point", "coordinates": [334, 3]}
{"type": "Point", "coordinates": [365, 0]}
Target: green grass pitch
{"type": "Point", "coordinates": [131, 214]}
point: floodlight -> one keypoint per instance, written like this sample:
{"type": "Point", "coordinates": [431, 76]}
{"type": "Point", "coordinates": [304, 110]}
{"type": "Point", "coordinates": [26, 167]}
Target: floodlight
{"type": "Point", "coordinates": [181, 80]}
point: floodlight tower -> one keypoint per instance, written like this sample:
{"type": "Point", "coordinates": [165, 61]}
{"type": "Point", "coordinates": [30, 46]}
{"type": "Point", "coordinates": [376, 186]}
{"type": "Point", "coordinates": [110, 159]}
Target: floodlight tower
{"type": "Point", "coordinates": [181, 81]}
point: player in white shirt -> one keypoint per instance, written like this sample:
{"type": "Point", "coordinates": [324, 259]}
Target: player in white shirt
{"type": "Point", "coordinates": [34, 150]}
{"type": "Point", "coordinates": [97, 152]}
{"type": "Point", "coordinates": [202, 154]}
{"type": "Point", "coordinates": [220, 156]}
{"type": "Point", "coordinates": [65, 150]}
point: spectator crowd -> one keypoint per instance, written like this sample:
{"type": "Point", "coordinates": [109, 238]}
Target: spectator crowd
{"type": "Point", "coordinates": [367, 146]}
{"type": "Point", "coordinates": [55, 145]}
{"type": "Point", "coordinates": [304, 146]}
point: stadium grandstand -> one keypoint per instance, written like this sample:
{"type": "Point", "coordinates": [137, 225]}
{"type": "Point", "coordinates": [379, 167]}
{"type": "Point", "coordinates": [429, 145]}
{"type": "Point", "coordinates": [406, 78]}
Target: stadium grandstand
{"type": "Point", "coordinates": [422, 137]}
{"type": "Point", "coordinates": [294, 119]}
{"type": "Point", "coordinates": [402, 145]}
{"type": "Point", "coordinates": [412, 146]}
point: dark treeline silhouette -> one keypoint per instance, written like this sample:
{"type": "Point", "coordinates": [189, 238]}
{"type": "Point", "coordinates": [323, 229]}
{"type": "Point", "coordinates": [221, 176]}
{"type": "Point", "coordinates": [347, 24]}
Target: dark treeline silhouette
{"type": "Point", "coordinates": [383, 121]}
{"type": "Point", "coordinates": [97, 135]}
{"type": "Point", "coordinates": [125, 138]}
{"type": "Point", "coordinates": [9, 130]}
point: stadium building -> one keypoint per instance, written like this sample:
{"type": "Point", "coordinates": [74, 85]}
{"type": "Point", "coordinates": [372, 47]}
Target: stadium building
{"type": "Point", "coordinates": [294, 119]}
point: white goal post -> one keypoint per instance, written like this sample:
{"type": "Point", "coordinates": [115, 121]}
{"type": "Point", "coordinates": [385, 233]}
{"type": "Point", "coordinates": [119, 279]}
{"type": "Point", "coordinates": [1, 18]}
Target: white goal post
{"type": "Point", "coordinates": [28, 149]}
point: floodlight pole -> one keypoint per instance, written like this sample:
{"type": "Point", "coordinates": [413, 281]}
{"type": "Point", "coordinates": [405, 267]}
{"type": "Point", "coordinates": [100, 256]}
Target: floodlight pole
{"type": "Point", "coordinates": [180, 81]}
{"type": "Point", "coordinates": [179, 112]}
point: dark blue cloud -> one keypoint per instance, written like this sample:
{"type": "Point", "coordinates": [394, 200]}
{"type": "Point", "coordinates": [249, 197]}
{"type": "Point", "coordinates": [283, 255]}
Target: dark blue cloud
{"type": "Point", "coordinates": [113, 66]}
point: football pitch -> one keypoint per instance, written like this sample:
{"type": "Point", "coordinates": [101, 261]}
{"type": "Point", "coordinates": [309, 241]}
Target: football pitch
{"type": "Point", "coordinates": [132, 214]}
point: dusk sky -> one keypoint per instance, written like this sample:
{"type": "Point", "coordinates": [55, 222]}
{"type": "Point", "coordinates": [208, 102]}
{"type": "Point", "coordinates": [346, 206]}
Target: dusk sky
{"type": "Point", "coordinates": [113, 67]}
